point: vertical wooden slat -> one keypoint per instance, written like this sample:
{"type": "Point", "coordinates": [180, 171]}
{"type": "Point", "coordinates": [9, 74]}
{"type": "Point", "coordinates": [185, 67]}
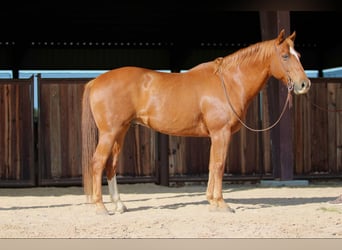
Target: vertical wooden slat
{"type": "Point", "coordinates": [177, 155]}
{"type": "Point", "coordinates": [307, 131]}
{"type": "Point", "coordinates": [77, 156]}
{"type": "Point", "coordinates": [242, 148]}
{"type": "Point", "coordinates": [65, 109]}
{"type": "Point", "coordinates": [70, 121]}
{"type": "Point", "coordinates": [319, 132]}
{"type": "Point", "coordinates": [233, 163]}
{"type": "Point", "coordinates": [7, 131]}
{"type": "Point", "coordinates": [163, 166]}
{"type": "Point", "coordinates": [147, 148]}
{"type": "Point", "coordinates": [252, 150]}
{"type": "Point", "coordinates": [137, 155]}
{"type": "Point", "coordinates": [17, 133]}
{"type": "Point", "coordinates": [2, 131]}
{"type": "Point", "coordinates": [332, 128]}
{"type": "Point", "coordinates": [55, 131]}
{"type": "Point", "coordinates": [27, 134]}
{"type": "Point", "coordinates": [339, 129]}
{"type": "Point", "coordinates": [153, 154]}
{"type": "Point", "coordinates": [266, 138]}
{"type": "Point", "coordinates": [44, 154]}
{"type": "Point", "coordinates": [299, 134]}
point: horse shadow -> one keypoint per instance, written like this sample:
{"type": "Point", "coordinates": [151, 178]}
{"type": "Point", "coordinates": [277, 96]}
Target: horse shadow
{"type": "Point", "coordinates": [238, 204]}
{"type": "Point", "coordinates": [40, 206]}
{"type": "Point", "coordinates": [175, 192]}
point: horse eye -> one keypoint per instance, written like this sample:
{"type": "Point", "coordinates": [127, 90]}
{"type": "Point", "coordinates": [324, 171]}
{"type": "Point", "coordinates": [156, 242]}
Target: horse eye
{"type": "Point", "coordinates": [285, 57]}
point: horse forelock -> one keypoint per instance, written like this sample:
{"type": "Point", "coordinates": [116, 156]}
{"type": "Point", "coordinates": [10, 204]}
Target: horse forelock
{"type": "Point", "coordinates": [254, 53]}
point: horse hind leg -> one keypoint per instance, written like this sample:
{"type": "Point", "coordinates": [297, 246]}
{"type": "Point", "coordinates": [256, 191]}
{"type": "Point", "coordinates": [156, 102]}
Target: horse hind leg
{"type": "Point", "coordinates": [111, 176]}
{"type": "Point", "coordinates": [101, 155]}
{"type": "Point", "coordinates": [119, 206]}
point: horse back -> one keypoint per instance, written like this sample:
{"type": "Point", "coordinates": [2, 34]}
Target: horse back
{"type": "Point", "coordinates": [140, 83]}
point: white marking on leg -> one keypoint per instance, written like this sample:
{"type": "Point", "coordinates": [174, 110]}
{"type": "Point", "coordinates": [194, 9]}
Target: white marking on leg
{"type": "Point", "coordinates": [115, 196]}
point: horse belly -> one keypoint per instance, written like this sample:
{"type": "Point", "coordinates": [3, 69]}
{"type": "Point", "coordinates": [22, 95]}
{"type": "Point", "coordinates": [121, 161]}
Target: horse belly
{"type": "Point", "coordinates": [175, 125]}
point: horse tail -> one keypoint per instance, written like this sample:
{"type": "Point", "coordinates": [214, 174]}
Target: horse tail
{"type": "Point", "coordinates": [89, 141]}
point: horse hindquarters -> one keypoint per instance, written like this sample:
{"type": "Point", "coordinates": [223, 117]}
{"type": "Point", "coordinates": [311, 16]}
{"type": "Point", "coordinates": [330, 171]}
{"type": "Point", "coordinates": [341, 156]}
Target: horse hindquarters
{"type": "Point", "coordinates": [98, 112]}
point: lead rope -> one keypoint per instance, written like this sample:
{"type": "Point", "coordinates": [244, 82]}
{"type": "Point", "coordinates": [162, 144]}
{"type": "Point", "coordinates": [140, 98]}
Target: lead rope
{"type": "Point", "coordinates": [289, 89]}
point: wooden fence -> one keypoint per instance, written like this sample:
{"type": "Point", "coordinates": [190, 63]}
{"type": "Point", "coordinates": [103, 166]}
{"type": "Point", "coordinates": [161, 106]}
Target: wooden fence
{"type": "Point", "coordinates": [318, 130]}
{"type": "Point", "coordinates": [59, 134]}
{"type": "Point", "coordinates": [317, 139]}
{"type": "Point", "coordinates": [16, 133]}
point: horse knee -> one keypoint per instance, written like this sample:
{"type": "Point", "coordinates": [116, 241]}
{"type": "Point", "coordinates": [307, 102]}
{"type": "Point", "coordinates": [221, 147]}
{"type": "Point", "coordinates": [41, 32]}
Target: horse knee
{"type": "Point", "coordinates": [218, 166]}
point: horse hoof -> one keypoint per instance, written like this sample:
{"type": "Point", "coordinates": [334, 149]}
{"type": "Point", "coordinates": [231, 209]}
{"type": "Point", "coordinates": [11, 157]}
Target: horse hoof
{"type": "Point", "coordinates": [213, 208]}
{"type": "Point", "coordinates": [101, 210]}
{"type": "Point", "coordinates": [119, 207]}
{"type": "Point", "coordinates": [121, 210]}
{"type": "Point", "coordinates": [227, 209]}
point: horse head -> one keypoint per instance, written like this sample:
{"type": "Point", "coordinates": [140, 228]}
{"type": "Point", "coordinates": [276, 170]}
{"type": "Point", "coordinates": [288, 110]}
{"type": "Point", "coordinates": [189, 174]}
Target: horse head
{"type": "Point", "coordinates": [286, 64]}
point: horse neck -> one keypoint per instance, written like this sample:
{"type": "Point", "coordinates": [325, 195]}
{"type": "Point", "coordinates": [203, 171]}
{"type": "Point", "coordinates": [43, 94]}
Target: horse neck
{"type": "Point", "coordinates": [247, 77]}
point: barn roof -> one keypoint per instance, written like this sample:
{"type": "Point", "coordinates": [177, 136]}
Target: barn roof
{"type": "Point", "coordinates": [30, 28]}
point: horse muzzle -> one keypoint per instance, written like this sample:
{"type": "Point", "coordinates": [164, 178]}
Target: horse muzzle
{"type": "Point", "coordinates": [302, 87]}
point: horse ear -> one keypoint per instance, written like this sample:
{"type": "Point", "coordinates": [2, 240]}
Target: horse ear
{"type": "Point", "coordinates": [280, 37]}
{"type": "Point", "coordinates": [293, 36]}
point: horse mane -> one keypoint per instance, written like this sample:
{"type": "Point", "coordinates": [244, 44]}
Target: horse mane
{"type": "Point", "coordinates": [255, 52]}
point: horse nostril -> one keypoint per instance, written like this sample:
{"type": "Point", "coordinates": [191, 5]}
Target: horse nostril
{"type": "Point", "coordinates": [303, 85]}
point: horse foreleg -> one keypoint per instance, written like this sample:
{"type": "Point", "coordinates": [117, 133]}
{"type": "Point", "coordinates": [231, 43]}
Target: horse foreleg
{"type": "Point", "coordinates": [218, 152]}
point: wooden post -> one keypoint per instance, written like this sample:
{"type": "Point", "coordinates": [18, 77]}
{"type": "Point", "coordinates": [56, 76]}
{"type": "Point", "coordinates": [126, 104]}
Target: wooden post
{"type": "Point", "coordinates": [163, 160]}
{"type": "Point", "coordinates": [271, 23]}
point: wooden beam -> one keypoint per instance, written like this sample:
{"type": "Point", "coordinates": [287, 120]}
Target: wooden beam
{"type": "Point", "coordinates": [271, 22]}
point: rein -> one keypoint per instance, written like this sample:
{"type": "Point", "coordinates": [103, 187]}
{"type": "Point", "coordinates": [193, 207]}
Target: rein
{"type": "Point", "coordinates": [288, 101]}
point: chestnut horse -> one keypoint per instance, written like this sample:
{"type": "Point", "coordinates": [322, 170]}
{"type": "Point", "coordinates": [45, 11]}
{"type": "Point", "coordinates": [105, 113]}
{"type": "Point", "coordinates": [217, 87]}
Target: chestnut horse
{"type": "Point", "coordinates": [209, 100]}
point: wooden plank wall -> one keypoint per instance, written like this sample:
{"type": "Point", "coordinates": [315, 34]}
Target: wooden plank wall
{"type": "Point", "coordinates": [17, 157]}
{"type": "Point", "coordinates": [60, 152]}
{"type": "Point", "coordinates": [138, 157]}
{"type": "Point", "coordinates": [318, 129]}
{"type": "Point", "coordinates": [60, 129]}
{"type": "Point", "coordinates": [317, 138]}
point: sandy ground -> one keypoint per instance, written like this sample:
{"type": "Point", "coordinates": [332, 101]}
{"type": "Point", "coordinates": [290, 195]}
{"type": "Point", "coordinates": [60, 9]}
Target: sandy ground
{"type": "Point", "coordinates": [174, 212]}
